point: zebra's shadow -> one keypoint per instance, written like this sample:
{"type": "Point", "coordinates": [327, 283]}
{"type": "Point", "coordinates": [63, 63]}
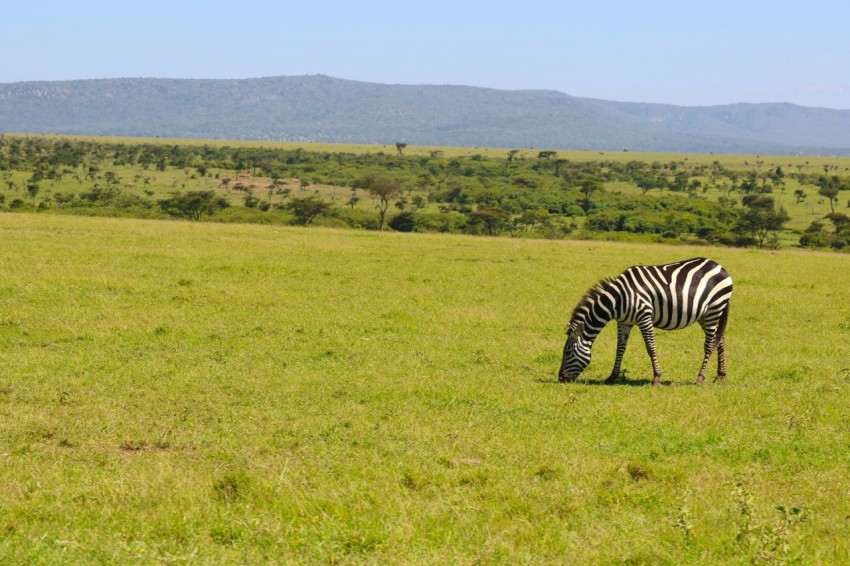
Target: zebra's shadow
{"type": "Point", "coordinates": [618, 383]}
{"type": "Point", "coordinates": [626, 382]}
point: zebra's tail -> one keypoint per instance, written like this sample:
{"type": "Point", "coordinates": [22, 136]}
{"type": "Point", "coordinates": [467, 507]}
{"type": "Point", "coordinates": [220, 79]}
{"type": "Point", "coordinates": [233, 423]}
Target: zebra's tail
{"type": "Point", "coordinates": [721, 325]}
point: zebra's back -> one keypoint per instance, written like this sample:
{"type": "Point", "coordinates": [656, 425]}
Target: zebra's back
{"type": "Point", "coordinates": [680, 293]}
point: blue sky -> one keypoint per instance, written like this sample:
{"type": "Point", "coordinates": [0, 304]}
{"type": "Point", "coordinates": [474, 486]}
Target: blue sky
{"type": "Point", "coordinates": [688, 53]}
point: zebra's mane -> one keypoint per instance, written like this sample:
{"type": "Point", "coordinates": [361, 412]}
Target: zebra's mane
{"type": "Point", "coordinates": [584, 305]}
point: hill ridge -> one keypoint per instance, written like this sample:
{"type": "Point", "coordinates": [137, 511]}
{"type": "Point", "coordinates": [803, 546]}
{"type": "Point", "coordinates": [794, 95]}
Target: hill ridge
{"type": "Point", "coordinates": [327, 109]}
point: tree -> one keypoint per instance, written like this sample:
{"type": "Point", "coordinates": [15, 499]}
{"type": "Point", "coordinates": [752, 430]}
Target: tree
{"type": "Point", "coordinates": [800, 195]}
{"type": "Point", "coordinates": [760, 217]}
{"type": "Point", "coordinates": [646, 182]}
{"type": "Point", "coordinates": [111, 178]}
{"type": "Point", "coordinates": [587, 188]}
{"type": "Point", "coordinates": [491, 220]}
{"type": "Point", "coordinates": [306, 209]}
{"type": "Point", "coordinates": [383, 188]}
{"type": "Point", "coordinates": [558, 165]}
{"type": "Point", "coordinates": [532, 218]}
{"type": "Point", "coordinates": [829, 187]}
{"type": "Point", "coordinates": [817, 236]}
{"type": "Point", "coordinates": [32, 190]}
{"type": "Point", "coordinates": [841, 222]}
{"type": "Point", "coordinates": [399, 146]}
{"type": "Point", "coordinates": [193, 204]}
{"type": "Point", "coordinates": [353, 199]}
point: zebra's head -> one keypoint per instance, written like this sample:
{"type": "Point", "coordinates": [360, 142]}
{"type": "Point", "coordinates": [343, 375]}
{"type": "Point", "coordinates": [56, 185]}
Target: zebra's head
{"type": "Point", "coordinates": [576, 353]}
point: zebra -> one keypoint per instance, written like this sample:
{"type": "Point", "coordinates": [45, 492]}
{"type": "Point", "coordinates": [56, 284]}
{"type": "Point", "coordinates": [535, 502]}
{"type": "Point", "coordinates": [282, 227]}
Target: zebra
{"type": "Point", "coordinates": [669, 296]}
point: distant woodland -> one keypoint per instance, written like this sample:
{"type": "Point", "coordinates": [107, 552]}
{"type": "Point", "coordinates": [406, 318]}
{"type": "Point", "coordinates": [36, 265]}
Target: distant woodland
{"type": "Point", "coordinates": [733, 201]}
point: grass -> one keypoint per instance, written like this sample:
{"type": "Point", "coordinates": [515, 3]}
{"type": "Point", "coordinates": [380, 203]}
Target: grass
{"type": "Point", "coordinates": [206, 393]}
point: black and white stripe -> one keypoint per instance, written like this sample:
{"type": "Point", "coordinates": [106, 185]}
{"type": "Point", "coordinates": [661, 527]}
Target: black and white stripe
{"type": "Point", "coordinates": [670, 296]}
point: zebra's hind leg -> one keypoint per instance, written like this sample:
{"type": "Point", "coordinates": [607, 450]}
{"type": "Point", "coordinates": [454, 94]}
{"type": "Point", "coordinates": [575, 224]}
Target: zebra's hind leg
{"type": "Point", "coordinates": [721, 359]}
{"type": "Point", "coordinates": [708, 348]}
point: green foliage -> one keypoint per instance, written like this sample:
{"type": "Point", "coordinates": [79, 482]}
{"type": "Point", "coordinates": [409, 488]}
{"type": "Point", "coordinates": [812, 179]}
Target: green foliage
{"type": "Point", "coordinates": [761, 217]}
{"type": "Point", "coordinates": [524, 193]}
{"type": "Point", "coordinates": [306, 209]}
{"type": "Point", "coordinates": [193, 204]}
{"type": "Point", "coordinates": [818, 235]}
{"type": "Point", "coordinates": [490, 221]}
{"type": "Point", "coordinates": [381, 187]}
{"type": "Point", "coordinates": [404, 222]}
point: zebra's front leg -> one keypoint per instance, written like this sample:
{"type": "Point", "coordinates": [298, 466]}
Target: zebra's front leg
{"type": "Point", "coordinates": [646, 328]}
{"type": "Point", "coordinates": [623, 331]}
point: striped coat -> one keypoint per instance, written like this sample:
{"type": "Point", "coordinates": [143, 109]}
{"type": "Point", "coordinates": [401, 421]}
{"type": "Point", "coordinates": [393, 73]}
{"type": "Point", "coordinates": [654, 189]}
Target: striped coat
{"type": "Point", "coordinates": [670, 296]}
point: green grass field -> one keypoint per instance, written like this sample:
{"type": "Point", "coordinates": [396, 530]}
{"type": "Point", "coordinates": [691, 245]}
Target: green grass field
{"type": "Point", "coordinates": [203, 393]}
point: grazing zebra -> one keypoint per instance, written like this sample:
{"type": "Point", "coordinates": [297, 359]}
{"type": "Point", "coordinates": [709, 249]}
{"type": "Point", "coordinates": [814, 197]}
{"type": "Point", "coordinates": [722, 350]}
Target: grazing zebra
{"type": "Point", "coordinates": [670, 297]}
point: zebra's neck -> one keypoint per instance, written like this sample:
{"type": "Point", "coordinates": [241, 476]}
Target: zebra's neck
{"type": "Point", "coordinates": [598, 307]}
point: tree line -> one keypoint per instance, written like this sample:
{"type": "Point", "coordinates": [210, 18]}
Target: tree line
{"type": "Point", "coordinates": [533, 195]}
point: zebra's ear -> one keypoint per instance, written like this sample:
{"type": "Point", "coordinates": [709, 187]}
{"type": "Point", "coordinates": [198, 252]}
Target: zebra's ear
{"type": "Point", "coordinates": [579, 330]}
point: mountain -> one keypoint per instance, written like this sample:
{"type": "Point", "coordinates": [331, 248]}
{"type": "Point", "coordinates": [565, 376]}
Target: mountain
{"type": "Point", "coordinates": [325, 109]}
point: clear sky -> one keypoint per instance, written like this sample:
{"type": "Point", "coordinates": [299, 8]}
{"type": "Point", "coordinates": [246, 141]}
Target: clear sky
{"type": "Point", "coordinates": [688, 53]}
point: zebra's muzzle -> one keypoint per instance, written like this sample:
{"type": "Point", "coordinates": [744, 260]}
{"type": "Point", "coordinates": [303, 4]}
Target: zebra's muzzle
{"type": "Point", "coordinates": [563, 377]}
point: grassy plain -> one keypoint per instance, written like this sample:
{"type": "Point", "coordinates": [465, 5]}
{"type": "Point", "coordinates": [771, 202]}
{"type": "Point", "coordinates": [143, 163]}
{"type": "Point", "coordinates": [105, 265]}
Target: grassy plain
{"type": "Point", "coordinates": [203, 393]}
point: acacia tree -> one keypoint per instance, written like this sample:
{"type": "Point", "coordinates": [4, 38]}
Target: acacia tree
{"type": "Point", "coordinates": [382, 188]}
{"type": "Point", "coordinates": [829, 187]}
{"type": "Point", "coordinates": [587, 187]}
{"type": "Point", "coordinates": [558, 165]}
{"type": "Point", "coordinates": [760, 217]}
{"type": "Point", "coordinates": [306, 209]}
{"type": "Point", "coordinates": [32, 190]}
{"type": "Point", "coordinates": [491, 220]}
{"type": "Point", "coordinates": [193, 204]}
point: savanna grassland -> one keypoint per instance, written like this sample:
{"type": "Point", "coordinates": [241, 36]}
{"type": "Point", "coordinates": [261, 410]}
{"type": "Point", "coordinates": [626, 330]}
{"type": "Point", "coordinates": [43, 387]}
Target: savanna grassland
{"type": "Point", "coordinates": [179, 392]}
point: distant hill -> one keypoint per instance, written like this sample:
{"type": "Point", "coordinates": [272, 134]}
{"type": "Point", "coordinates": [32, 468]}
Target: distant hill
{"type": "Point", "coordinates": [325, 109]}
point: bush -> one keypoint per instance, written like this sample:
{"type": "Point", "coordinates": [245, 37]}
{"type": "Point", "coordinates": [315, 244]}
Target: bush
{"type": "Point", "coordinates": [193, 204]}
{"type": "Point", "coordinates": [404, 222]}
{"type": "Point", "coordinates": [238, 214]}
